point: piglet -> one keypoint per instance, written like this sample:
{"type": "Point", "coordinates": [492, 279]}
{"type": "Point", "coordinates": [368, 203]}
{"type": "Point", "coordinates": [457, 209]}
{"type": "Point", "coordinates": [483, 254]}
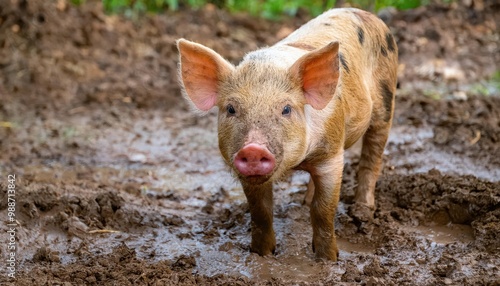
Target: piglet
{"type": "Point", "coordinates": [298, 105]}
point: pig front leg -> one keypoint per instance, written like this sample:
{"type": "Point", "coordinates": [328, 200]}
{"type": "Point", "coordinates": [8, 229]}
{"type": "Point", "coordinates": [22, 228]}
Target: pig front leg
{"type": "Point", "coordinates": [327, 178]}
{"type": "Point", "coordinates": [260, 201]}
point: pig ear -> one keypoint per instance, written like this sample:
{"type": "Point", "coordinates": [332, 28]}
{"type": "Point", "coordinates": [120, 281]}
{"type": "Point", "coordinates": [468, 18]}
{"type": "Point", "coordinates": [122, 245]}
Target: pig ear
{"type": "Point", "coordinates": [201, 70]}
{"type": "Point", "coordinates": [318, 72]}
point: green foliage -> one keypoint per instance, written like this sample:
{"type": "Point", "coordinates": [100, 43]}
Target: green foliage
{"type": "Point", "coordinates": [495, 78]}
{"type": "Point", "coordinates": [77, 2]}
{"type": "Point", "coordinates": [271, 9]}
{"type": "Point", "coordinates": [115, 6]}
{"type": "Point", "coordinates": [139, 6]}
{"type": "Point", "coordinates": [400, 4]}
{"type": "Point", "coordinates": [376, 5]}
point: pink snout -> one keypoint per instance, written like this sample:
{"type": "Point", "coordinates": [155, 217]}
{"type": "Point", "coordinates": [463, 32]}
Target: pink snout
{"type": "Point", "coordinates": [254, 160]}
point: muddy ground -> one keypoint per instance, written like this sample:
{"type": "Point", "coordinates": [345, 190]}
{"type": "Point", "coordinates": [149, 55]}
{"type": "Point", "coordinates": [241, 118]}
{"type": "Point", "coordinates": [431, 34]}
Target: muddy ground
{"type": "Point", "coordinates": [118, 183]}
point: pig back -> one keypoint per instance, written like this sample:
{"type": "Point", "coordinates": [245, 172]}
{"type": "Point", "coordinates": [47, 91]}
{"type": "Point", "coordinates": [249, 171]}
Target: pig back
{"type": "Point", "coordinates": [368, 58]}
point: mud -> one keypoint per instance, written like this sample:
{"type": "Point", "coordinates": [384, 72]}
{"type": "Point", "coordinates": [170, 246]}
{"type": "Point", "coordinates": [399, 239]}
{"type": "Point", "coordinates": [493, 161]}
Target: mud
{"type": "Point", "coordinates": [119, 183]}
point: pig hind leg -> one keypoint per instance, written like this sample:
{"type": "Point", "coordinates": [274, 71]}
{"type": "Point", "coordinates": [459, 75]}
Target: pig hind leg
{"type": "Point", "coordinates": [370, 163]}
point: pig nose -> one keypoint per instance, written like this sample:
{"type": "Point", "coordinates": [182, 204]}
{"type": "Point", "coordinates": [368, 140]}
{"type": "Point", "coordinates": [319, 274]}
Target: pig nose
{"type": "Point", "coordinates": [254, 160]}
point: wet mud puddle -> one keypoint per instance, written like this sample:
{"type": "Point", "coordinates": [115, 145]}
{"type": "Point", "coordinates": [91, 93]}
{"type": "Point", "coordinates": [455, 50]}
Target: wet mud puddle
{"type": "Point", "coordinates": [444, 234]}
{"type": "Point", "coordinates": [167, 196]}
{"type": "Point", "coordinates": [216, 231]}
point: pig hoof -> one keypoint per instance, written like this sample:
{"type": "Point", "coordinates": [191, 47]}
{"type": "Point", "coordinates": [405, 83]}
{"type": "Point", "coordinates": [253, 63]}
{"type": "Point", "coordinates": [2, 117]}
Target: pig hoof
{"type": "Point", "coordinates": [263, 250]}
{"type": "Point", "coordinates": [327, 256]}
{"type": "Point", "coordinates": [361, 212]}
{"type": "Point", "coordinates": [327, 253]}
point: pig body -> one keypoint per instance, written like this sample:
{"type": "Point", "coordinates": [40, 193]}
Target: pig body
{"type": "Point", "coordinates": [298, 105]}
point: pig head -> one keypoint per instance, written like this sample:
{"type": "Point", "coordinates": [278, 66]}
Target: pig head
{"type": "Point", "coordinates": [261, 106]}
{"type": "Point", "coordinates": [297, 106]}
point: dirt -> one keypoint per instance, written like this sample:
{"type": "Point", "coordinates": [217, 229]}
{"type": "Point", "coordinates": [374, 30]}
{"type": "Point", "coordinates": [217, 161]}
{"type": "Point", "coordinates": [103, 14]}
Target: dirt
{"type": "Point", "coordinates": [119, 183]}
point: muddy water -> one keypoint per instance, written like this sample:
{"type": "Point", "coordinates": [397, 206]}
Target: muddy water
{"type": "Point", "coordinates": [207, 175]}
{"type": "Point", "coordinates": [445, 234]}
{"type": "Point", "coordinates": [180, 201]}
{"type": "Point", "coordinates": [429, 157]}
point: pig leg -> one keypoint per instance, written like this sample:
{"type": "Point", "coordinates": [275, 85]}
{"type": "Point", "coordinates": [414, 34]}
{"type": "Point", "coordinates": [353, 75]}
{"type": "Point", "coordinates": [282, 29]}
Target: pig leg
{"type": "Point", "coordinates": [327, 178]}
{"type": "Point", "coordinates": [260, 201]}
{"type": "Point", "coordinates": [370, 164]}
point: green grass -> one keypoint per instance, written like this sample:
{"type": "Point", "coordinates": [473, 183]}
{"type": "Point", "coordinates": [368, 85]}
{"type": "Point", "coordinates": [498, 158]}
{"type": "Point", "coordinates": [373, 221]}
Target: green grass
{"type": "Point", "coordinates": [400, 4]}
{"type": "Point", "coordinates": [270, 9]}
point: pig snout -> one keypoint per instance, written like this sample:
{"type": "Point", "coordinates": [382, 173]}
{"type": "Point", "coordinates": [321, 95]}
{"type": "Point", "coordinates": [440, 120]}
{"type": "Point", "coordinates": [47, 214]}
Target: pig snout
{"type": "Point", "coordinates": [254, 160]}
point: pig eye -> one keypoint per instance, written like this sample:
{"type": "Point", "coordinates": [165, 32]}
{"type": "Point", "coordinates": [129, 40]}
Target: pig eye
{"type": "Point", "coordinates": [287, 110]}
{"type": "Point", "coordinates": [230, 109]}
